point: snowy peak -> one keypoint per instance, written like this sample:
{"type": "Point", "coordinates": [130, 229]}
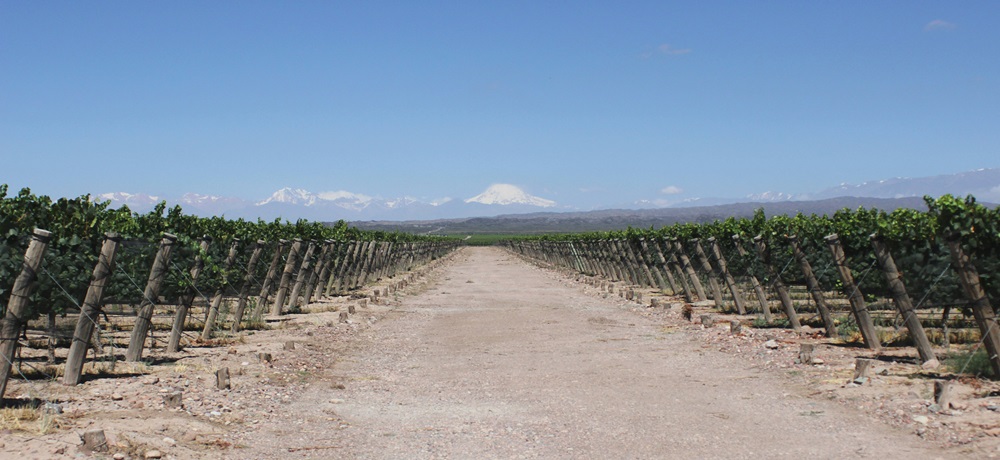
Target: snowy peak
{"type": "Point", "coordinates": [772, 196]}
{"type": "Point", "coordinates": [289, 195]}
{"type": "Point", "coordinates": [132, 199]}
{"type": "Point", "coordinates": [506, 194]}
{"type": "Point", "coordinates": [199, 199]}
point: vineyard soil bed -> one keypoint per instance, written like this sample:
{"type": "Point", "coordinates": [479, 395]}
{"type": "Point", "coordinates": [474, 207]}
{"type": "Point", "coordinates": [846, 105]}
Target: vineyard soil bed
{"type": "Point", "coordinates": [488, 356]}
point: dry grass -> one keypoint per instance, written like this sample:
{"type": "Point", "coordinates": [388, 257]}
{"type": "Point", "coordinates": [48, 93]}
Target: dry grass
{"type": "Point", "coordinates": [30, 419]}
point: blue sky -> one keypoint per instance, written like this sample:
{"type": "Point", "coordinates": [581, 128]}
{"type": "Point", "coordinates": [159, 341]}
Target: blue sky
{"type": "Point", "coordinates": [587, 103]}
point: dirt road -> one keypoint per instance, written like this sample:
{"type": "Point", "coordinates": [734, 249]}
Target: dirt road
{"type": "Point", "coordinates": [501, 359]}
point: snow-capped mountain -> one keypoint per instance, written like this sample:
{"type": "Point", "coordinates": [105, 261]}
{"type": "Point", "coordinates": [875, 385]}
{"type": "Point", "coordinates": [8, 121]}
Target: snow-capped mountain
{"type": "Point", "coordinates": [772, 196]}
{"type": "Point", "coordinates": [289, 195]}
{"type": "Point", "coordinates": [211, 205]}
{"type": "Point", "coordinates": [983, 183]}
{"type": "Point", "coordinates": [506, 194]}
{"type": "Point", "coordinates": [295, 203]}
{"type": "Point", "coordinates": [135, 201]}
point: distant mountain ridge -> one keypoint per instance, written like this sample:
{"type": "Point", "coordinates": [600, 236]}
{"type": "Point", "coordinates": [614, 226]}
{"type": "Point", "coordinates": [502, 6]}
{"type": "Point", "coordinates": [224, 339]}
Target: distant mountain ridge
{"type": "Point", "coordinates": [295, 203]}
{"type": "Point", "coordinates": [619, 219]}
{"type": "Point", "coordinates": [504, 199]}
{"type": "Point", "coordinates": [984, 184]}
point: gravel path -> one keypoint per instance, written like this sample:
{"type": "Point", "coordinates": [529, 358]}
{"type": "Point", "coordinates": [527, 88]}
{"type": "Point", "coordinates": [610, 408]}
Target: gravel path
{"type": "Point", "coordinates": [500, 359]}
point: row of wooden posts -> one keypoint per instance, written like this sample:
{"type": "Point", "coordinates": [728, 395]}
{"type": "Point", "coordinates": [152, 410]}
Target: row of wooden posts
{"type": "Point", "coordinates": [311, 270]}
{"type": "Point", "coordinates": [665, 263]}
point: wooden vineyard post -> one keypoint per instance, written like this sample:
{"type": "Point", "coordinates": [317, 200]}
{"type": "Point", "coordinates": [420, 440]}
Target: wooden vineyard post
{"type": "Point", "coordinates": [814, 289]}
{"type": "Point", "coordinates": [655, 262]}
{"type": "Point", "coordinates": [272, 273]}
{"type": "Point", "coordinates": [90, 310]}
{"type": "Point", "coordinates": [343, 252]}
{"type": "Point", "coordinates": [968, 276]}
{"type": "Point", "coordinates": [364, 267]}
{"type": "Point", "coordinates": [720, 261]}
{"type": "Point", "coordinates": [765, 307]}
{"type": "Point", "coordinates": [161, 265]}
{"type": "Point", "coordinates": [314, 274]}
{"type": "Point", "coordinates": [661, 282]}
{"type": "Point", "coordinates": [706, 266]}
{"type": "Point", "coordinates": [668, 269]}
{"type": "Point", "coordinates": [639, 258]}
{"type": "Point", "coordinates": [241, 302]}
{"type": "Point", "coordinates": [779, 286]}
{"type": "Point", "coordinates": [213, 310]}
{"type": "Point", "coordinates": [347, 282]}
{"type": "Point", "coordinates": [858, 306]}
{"type": "Point", "coordinates": [338, 281]}
{"type": "Point", "coordinates": [301, 276]}
{"type": "Point", "coordinates": [17, 307]}
{"type": "Point", "coordinates": [902, 300]}
{"type": "Point", "coordinates": [286, 277]}
{"type": "Point", "coordinates": [689, 270]}
{"type": "Point", "coordinates": [174, 343]}
{"type": "Point", "coordinates": [621, 253]}
{"type": "Point", "coordinates": [675, 265]}
{"type": "Point", "coordinates": [610, 262]}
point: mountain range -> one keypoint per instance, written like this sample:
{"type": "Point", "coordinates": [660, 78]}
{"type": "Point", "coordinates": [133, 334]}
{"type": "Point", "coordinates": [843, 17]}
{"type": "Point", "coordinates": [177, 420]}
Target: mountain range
{"type": "Point", "coordinates": [506, 199]}
{"type": "Point", "coordinates": [295, 203]}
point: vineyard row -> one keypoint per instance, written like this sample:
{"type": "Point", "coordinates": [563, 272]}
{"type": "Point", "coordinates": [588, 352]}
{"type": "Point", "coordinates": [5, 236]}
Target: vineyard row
{"type": "Point", "coordinates": [855, 273]}
{"type": "Point", "coordinates": [129, 279]}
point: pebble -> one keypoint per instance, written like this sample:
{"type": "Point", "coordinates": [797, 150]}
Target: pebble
{"type": "Point", "coordinates": [117, 397]}
{"type": "Point", "coordinates": [771, 344]}
{"type": "Point", "coordinates": [153, 454]}
{"type": "Point", "coordinates": [921, 419]}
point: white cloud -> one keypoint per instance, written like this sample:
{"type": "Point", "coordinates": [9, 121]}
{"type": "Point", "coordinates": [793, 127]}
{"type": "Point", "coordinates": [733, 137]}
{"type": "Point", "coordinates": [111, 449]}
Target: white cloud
{"type": "Point", "coordinates": [939, 24]}
{"type": "Point", "coordinates": [440, 201]}
{"type": "Point", "coordinates": [671, 190]}
{"type": "Point", "coordinates": [665, 49]}
{"type": "Point", "coordinates": [670, 50]}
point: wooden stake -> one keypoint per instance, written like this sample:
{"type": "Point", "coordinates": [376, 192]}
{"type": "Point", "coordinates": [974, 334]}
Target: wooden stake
{"type": "Point", "coordinates": [862, 370]}
{"type": "Point", "coordinates": [90, 310]}
{"type": "Point", "coordinates": [222, 379]}
{"type": "Point", "coordinates": [706, 266]}
{"type": "Point", "coordinates": [286, 277]}
{"type": "Point", "coordinates": [779, 286]}
{"type": "Point", "coordinates": [858, 306]}
{"type": "Point", "coordinates": [302, 276]}
{"type": "Point", "coordinates": [241, 303]}
{"type": "Point", "coordinates": [902, 300]}
{"type": "Point", "coordinates": [765, 307]}
{"type": "Point", "coordinates": [689, 269]}
{"type": "Point", "coordinates": [174, 343]}
{"type": "Point", "coordinates": [943, 395]}
{"type": "Point", "coordinates": [813, 284]}
{"type": "Point", "coordinates": [213, 310]}
{"type": "Point", "coordinates": [17, 307]}
{"type": "Point", "coordinates": [720, 261]}
{"type": "Point", "coordinates": [981, 308]}
{"type": "Point", "coordinates": [161, 265]}
{"type": "Point", "coordinates": [270, 278]}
